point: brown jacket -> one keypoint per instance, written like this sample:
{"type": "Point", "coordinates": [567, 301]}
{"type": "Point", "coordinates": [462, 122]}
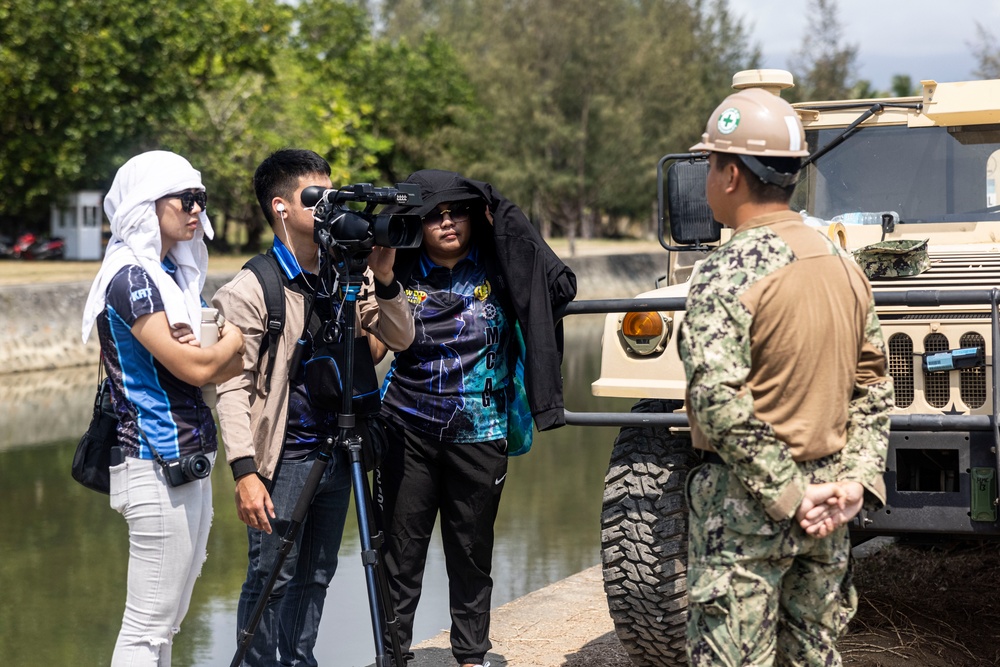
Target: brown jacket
{"type": "Point", "coordinates": [786, 363]}
{"type": "Point", "coordinates": [807, 348]}
{"type": "Point", "coordinates": [252, 420]}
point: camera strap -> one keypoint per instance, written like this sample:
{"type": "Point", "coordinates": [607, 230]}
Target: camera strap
{"type": "Point", "coordinates": [265, 268]}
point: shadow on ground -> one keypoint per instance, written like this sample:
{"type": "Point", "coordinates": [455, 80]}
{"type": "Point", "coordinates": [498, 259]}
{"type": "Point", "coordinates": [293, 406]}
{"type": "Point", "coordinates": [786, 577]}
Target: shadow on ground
{"type": "Point", "coordinates": [605, 651]}
{"type": "Point", "coordinates": [926, 606]}
{"type": "Point", "coordinates": [442, 657]}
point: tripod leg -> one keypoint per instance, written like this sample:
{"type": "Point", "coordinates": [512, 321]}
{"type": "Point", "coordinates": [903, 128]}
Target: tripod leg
{"type": "Point", "coordinates": [377, 598]}
{"type": "Point", "coordinates": [390, 617]}
{"type": "Point", "coordinates": [369, 554]}
{"type": "Point", "coordinates": [287, 541]}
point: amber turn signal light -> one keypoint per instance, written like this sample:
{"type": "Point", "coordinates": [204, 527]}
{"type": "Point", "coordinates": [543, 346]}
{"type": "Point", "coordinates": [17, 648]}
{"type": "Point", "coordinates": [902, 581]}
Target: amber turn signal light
{"type": "Point", "coordinates": [642, 325]}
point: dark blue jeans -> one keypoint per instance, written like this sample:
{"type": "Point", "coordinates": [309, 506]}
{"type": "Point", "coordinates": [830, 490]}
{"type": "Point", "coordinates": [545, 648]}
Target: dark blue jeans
{"type": "Point", "coordinates": [291, 619]}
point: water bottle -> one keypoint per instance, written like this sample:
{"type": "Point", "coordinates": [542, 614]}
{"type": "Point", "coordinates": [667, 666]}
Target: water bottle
{"type": "Point", "coordinates": [209, 336]}
{"type": "Point", "coordinates": [863, 217]}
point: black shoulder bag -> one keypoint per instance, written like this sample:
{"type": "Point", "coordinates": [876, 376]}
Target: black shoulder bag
{"type": "Point", "coordinates": [93, 454]}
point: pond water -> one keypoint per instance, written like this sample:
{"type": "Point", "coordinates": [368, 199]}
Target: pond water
{"type": "Point", "coordinates": [63, 551]}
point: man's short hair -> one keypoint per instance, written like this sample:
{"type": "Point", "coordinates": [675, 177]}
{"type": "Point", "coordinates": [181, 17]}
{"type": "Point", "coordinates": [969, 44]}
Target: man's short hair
{"type": "Point", "coordinates": [278, 175]}
{"type": "Point", "coordinates": [763, 193]}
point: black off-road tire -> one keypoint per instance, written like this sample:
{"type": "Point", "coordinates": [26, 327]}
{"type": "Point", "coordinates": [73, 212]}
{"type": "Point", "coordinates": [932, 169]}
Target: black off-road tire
{"type": "Point", "coordinates": [644, 540]}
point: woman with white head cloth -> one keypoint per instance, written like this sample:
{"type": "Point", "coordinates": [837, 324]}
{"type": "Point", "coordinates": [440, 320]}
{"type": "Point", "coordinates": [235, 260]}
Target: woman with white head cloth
{"type": "Point", "coordinates": [146, 302]}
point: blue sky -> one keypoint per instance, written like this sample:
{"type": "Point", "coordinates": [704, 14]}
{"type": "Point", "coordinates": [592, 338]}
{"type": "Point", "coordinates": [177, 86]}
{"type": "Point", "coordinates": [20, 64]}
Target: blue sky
{"type": "Point", "coordinates": [927, 39]}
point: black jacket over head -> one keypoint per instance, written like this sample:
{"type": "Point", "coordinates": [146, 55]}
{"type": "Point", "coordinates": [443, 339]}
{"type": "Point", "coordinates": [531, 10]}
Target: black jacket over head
{"type": "Point", "coordinates": [531, 280]}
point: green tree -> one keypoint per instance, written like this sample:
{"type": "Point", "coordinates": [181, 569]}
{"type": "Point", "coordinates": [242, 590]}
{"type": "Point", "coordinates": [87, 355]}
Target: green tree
{"type": "Point", "coordinates": [578, 99]}
{"type": "Point", "coordinates": [88, 83]}
{"type": "Point", "coordinates": [824, 67]}
{"type": "Point", "coordinates": [986, 50]}
{"type": "Point", "coordinates": [408, 95]}
{"type": "Point", "coordinates": [229, 130]}
{"type": "Point", "coordinates": [903, 86]}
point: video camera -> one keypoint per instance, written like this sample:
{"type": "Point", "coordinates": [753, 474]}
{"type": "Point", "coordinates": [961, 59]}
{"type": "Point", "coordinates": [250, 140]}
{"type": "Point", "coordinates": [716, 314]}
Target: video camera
{"type": "Point", "coordinates": [357, 232]}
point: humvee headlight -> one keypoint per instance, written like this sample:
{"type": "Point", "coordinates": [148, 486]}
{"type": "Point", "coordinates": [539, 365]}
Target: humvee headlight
{"type": "Point", "coordinates": [645, 332]}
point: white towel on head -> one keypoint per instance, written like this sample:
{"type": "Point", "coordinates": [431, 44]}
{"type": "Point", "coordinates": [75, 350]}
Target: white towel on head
{"type": "Point", "coordinates": [135, 238]}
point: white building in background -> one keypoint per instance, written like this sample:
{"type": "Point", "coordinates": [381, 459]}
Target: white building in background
{"type": "Point", "coordinates": [79, 222]}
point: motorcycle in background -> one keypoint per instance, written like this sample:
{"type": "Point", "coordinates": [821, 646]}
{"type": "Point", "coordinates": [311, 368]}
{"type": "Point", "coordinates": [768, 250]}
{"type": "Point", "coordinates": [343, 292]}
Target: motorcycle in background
{"type": "Point", "coordinates": [30, 246]}
{"type": "Point", "coordinates": [6, 247]}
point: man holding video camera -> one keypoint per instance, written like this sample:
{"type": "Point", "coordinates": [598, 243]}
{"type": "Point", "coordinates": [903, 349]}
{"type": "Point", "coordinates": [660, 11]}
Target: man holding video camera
{"type": "Point", "coordinates": [272, 430]}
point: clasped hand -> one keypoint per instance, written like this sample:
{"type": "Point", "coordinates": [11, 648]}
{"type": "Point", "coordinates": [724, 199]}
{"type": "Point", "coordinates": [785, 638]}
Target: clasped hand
{"type": "Point", "coordinates": [828, 506]}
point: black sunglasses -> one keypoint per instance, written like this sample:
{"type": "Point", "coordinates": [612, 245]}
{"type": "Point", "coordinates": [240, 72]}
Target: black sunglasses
{"type": "Point", "coordinates": [189, 199]}
{"type": "Point", "coordinates": [457, 212]}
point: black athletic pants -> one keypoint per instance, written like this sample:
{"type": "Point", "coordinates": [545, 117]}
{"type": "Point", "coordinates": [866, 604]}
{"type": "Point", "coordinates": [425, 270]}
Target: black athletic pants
{"type": "Point", "coordinates": [418, 478]}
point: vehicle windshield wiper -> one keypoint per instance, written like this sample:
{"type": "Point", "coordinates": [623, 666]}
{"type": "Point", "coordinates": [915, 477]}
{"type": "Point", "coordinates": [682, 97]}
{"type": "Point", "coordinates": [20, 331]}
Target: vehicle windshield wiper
{"type": "Point", "coordinates": [876, 108]}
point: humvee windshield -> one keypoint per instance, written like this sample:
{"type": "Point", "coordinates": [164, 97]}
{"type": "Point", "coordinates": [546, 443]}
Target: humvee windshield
{"type": "Point", "coordinates": [931, 174]}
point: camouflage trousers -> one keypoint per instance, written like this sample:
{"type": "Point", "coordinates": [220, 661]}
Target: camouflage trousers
{"type": "Point", "coordinates": [760, 592]}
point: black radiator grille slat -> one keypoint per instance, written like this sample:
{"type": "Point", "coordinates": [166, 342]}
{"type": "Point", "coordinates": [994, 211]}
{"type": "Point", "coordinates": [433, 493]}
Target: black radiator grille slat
{"type": "Point", "coordinates": [951, 270]}
{"type": "Point", "coordinates": [972, 381]}
{"type": "Point", "coordinates": [936, 391]}
{"type": "Point", "coordinates": [901, 368]}
{"type": "Point", "coordinates": [937, 316]}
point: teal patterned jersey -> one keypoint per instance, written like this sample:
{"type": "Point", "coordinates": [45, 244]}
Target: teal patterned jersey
{"type": "Point", "coordinates": [451, 383]}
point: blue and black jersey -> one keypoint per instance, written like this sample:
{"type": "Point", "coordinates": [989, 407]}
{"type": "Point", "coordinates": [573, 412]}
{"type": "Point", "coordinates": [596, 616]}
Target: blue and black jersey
{"type": "Point", "coordinates": [308, 425]}
{"type": "Point", "coordinates": [451, 383]}
{"type": "Point", "coordinates": [152, 405]}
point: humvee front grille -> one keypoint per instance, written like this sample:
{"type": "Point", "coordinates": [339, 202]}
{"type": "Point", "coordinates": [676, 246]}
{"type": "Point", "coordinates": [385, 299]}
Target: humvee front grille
{"type": "Point", "coordinates": [901, 368]}
{"type": "Point", "coordinates": [936, 384]}
{"type": "Point", "coordinates": [973, 380]}
{"type": "Point", "coordinates": [904, 365]}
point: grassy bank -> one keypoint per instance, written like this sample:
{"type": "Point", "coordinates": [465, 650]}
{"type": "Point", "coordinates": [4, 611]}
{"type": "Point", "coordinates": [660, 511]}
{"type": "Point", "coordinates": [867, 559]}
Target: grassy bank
{"type": "Point", "coordinates": [22, 272]}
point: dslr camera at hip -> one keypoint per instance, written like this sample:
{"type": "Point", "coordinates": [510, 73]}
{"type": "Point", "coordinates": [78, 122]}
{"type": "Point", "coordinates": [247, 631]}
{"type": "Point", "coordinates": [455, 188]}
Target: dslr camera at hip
{"type": "Point", "coordinates": [186, 469]}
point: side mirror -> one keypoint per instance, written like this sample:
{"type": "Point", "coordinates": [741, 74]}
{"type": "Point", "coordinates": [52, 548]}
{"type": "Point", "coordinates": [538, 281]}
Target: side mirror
{"type": "Point", "coordinates": [691, 220]}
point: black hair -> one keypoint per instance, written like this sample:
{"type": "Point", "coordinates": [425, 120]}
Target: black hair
{"type": "Point", "coordinates": [763, 193]}
{"type": "Point", "coordinates": [278, 175]}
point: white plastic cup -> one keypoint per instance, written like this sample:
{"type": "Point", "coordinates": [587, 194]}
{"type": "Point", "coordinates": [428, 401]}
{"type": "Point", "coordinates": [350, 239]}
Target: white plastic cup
{"type": "Point", "coordinates": [209, 336]}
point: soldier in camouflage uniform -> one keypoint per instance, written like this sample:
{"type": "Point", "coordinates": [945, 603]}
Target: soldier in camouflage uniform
{"type": "Point", "coordinates": [788, 400]}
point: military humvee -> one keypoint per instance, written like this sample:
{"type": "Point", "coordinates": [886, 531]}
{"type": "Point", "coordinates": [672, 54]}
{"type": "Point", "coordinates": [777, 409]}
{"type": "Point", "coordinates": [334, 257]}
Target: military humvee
{"type": "Point", "coordinates": [913, 168]}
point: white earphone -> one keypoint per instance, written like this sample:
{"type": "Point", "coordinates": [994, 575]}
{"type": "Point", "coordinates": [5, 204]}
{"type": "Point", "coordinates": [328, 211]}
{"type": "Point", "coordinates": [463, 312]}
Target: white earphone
{"type": "Point", "coordinates": [280, 208]}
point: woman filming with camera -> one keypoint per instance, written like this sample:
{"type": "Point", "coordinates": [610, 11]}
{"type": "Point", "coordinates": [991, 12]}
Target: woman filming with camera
{"type": "Point", "coordinates": [146, 302]}
{"type": "Point", "coordinates": [483, 287]}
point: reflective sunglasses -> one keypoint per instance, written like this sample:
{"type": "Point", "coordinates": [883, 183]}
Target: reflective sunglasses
{"type": "Point", "coordinates": [189, 199]}
{"type": "Point", "coordinates": [458, 213]}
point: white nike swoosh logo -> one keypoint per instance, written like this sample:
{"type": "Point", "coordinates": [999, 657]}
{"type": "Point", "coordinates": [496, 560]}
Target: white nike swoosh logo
{"type": "Point", "coordinates": [498, 480]}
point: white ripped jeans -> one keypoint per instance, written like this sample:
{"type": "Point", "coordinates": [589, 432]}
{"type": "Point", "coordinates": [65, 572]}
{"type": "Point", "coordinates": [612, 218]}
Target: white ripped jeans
{"type": "Point", "coordinates": [168, 533]}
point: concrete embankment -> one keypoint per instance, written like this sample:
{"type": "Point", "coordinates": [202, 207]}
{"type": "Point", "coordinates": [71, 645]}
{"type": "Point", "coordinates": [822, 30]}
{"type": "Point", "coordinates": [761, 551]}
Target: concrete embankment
{"type": "Point", "coordinates": [40, 324]}
{"type": "Point", "coordinates": [565, 624]}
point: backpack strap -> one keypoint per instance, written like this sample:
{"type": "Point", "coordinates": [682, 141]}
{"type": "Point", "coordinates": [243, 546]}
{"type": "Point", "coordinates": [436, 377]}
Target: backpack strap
{"type": "Point", "coordinates": [268, 273]}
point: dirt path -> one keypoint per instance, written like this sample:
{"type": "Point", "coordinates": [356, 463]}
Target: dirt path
{"type": "Point", "coordinates": [920, 607]}
{"type": "Point", "coordinates": [927, 607]}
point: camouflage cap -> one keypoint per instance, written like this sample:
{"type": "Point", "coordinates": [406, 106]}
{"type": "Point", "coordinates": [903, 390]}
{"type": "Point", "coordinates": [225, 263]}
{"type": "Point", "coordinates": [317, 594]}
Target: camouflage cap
{"type": "Point", "coordinates": [893, 259]}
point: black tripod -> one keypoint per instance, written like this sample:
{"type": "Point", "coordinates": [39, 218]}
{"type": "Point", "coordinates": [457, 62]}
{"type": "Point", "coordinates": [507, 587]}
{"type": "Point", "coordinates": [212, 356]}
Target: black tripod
{"type": "Point", "coordinates": [350, 271]}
